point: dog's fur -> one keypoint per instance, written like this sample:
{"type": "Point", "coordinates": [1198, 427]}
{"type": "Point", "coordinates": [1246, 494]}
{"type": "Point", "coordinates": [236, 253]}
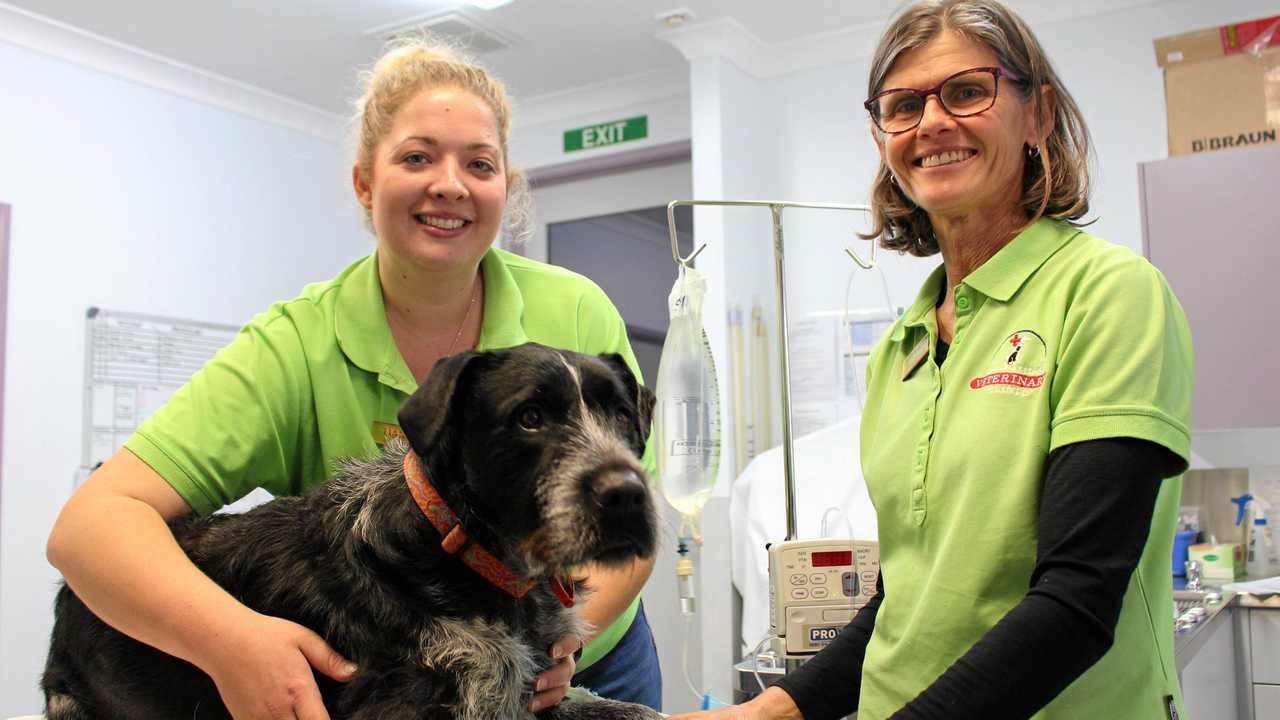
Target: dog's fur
{"type": "Point", "coordinates": [536, 452]}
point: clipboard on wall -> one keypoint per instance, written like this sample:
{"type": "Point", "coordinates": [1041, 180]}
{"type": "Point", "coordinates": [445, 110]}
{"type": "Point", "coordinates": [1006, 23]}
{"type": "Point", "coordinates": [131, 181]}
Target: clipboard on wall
{"type": "Point", "coordinates": [133, 364]}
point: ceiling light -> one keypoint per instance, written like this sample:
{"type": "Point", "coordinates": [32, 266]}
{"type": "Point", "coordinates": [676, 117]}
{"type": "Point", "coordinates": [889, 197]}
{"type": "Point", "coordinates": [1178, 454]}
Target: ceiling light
{"type": "Point", "coordinates": [675, 18]}
{"type": "Point", "coordinates": [486, 4]}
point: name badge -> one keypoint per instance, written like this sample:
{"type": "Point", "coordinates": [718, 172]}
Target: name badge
{"type": "Point", "coordinates": [386, 432]}
{"type": "Point", "coordinates": [917, 356]}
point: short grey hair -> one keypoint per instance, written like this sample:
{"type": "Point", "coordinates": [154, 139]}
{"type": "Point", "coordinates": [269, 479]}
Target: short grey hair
{"type": "Point", "coordinates": [1055, 177]}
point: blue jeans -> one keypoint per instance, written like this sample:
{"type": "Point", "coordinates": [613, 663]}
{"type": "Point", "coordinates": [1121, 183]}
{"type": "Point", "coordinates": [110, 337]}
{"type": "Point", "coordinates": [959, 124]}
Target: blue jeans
{"type": "Point", "coordinates": [630, 671]}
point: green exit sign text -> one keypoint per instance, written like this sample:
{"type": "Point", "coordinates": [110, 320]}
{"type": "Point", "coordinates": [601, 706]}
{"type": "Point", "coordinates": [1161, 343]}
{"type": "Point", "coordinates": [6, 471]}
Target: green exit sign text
{"type": "Point", "coordinates": [610, 133]}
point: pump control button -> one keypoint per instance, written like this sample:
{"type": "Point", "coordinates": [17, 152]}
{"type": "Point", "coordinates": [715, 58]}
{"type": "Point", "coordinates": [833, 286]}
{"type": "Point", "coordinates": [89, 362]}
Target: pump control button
{"type": "Point", "coordinates": [799, 594]}
{"type": "Point", "coordinates": [820, 593]}
{"type": "Point", "coordinates": [818, 579]}
{"type": "Point", "coordinates": [798, 579]}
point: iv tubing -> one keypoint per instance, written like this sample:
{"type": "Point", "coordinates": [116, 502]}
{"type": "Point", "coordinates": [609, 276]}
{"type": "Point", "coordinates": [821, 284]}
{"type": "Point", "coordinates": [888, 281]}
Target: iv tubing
{"type": "Point", "coordinates": [684, 657]}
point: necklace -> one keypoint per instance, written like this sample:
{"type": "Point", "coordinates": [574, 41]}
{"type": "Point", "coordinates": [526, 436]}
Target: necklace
{"type": "Point", "coordinates": [475, 292]}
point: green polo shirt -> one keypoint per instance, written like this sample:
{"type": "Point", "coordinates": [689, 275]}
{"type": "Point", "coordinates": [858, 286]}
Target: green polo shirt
{"type": "Point", "coordinates": [319, 378]}
{"type": "Point", "coordinates": [1060, 338]}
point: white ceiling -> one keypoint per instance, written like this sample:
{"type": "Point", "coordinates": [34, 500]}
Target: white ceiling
{"type": "Point", "coordinates": [310, 50]}
{"type": "Point", "coordinates": [300, 58]}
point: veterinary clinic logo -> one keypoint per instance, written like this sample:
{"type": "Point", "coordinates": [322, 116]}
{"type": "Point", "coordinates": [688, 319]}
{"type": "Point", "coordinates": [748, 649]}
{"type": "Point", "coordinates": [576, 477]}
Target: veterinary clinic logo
{"type": "Point", "coordinates": [1017, 366]}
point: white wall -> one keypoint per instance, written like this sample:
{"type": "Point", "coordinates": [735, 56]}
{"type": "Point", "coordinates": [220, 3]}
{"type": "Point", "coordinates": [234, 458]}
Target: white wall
{"type": "Point", "coordinates": [538, 138]}
{"type": "Point", "coordinates": [135, 199]}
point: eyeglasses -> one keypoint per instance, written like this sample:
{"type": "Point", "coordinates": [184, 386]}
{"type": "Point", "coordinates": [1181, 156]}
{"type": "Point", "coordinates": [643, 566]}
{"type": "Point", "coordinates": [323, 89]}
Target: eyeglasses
{"type": "Point", "coordinates": [966, 93]}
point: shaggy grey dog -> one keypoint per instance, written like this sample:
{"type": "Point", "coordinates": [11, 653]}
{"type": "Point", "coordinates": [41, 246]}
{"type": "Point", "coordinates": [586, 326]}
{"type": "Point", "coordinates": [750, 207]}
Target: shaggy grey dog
{"type": "Point", "coordinates": [533, 451]}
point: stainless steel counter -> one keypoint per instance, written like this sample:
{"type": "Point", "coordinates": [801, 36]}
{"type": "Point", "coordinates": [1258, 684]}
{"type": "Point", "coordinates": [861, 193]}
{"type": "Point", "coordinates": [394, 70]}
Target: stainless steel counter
{"type": "Point", "coordinates": [1189, 638]}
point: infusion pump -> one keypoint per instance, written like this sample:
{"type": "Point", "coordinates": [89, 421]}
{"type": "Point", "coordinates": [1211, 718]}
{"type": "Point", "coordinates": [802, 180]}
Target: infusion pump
{"type": "Point", "coordinates": [816, 587]}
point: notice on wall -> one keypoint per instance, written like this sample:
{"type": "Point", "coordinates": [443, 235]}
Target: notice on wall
{"type": "Point", "coordinates": [133, 364]}
{"type": "Point", "coordinates": [828, 354]}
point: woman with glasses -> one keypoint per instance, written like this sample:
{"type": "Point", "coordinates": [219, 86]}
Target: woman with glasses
{"type": "Point", "coordinates": [1022, 416]}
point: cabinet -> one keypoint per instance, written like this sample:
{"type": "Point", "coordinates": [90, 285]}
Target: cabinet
{"type": "Point", "coordinates": [1257, 651]}
{"type": "Point", "coordinates": [1208, 223]}
{"type": "Point", "coordinates": [1233, 670]}
{"type": "Point", "coordinates": [1266, 701]}
{"type": "Point", "coordinates": [1209, 680]}
{"type": "Point", "coordinates": [1264, 656]}
{"type": "Point", "coordinates": [1264, 651]}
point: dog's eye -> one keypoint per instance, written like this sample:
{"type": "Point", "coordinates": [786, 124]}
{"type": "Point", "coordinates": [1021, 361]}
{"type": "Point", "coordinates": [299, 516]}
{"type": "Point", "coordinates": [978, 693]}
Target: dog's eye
{"type": "Point", "coordinates": [622, 417]}
{"type": "Point", "coordinates": [530, 418]}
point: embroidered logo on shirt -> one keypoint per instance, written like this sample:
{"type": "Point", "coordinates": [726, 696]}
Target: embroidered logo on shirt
{"type": "Point", "coordinates": [1017, 366]}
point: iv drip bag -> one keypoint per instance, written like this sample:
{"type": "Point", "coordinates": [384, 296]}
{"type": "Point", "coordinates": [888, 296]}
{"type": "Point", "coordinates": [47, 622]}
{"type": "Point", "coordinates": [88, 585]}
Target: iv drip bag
{"type": "Point", "coordinates": [687, 425]}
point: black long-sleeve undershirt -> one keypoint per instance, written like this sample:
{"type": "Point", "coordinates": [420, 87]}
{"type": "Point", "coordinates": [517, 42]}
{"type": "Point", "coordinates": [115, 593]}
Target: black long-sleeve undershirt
{"type": "Point", "coordinates": [1095, 514]}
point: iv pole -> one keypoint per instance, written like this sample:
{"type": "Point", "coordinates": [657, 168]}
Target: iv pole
{"type": "Point", "coordinates": [775, 209]}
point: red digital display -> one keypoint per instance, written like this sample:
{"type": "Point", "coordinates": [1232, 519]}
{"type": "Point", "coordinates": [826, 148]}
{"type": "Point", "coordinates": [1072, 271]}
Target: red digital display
{"type": "Point", "coordinates": [833, 559]}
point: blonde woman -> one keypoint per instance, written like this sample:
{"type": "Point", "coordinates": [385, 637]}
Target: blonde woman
{"type": "Point", "coordinates": [1026, 419]}
{"type": "Point", "coordinates": [320, 377]}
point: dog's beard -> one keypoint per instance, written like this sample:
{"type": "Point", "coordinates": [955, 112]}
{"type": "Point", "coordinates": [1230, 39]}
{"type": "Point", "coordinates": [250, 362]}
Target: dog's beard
{"type": "Point", "coordinates": [563, 550]}
{"type": "Point", "coordinates": [574, 529]}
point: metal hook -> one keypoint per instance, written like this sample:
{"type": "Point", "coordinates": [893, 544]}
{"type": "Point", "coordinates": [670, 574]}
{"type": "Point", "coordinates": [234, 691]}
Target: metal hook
{"type": "Point", "coordinates": [868, 265]}
{"type": "Point", "coordinates": [689, 260]}
{"type": "Point", "coordinates": [671, 230]}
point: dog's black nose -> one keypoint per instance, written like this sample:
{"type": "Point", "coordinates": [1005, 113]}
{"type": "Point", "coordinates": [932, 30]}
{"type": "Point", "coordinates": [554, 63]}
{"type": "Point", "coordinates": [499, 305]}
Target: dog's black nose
{"type": "Point", "coordinates": [620, 491]}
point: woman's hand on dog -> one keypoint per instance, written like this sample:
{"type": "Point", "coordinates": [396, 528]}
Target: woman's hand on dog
{"type": "Point", "coordinates": [265, 671]}
{"type": "Point", "coordinates": [551, 685]}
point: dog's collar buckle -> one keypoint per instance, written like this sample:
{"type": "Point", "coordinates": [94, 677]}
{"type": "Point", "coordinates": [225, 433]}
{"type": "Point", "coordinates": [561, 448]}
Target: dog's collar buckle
{"type": "Point", "coordinates": [454, 540]}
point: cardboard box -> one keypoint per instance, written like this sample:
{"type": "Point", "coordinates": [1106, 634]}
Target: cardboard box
{"type": "Point", "coordinates": [1222, 86]}
{"type": "Point", "coordinates": [1224, 561]}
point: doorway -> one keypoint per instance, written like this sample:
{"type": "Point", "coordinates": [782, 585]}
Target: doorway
{"type": "Point", "coordinates": [613, 229]}
{"type": "Point", "coordinates": [629, 255]}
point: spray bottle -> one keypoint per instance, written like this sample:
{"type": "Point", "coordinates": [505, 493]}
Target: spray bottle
{"type": "Point", "coordinates": [1260, 558]}
{"type": "Point", "coordinates": [1255, 535]}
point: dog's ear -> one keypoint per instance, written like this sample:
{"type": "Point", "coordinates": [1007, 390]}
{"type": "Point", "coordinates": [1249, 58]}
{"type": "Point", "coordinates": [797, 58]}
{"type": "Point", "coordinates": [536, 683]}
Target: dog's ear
{"type": "Point", "coordinates": [423, 416]}
{"type": "Point", "coordinates": [642, 395]}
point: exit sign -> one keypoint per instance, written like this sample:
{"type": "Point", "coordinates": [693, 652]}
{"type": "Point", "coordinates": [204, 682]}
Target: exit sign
{"type": "Point", "coordinates": [609, 133]}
